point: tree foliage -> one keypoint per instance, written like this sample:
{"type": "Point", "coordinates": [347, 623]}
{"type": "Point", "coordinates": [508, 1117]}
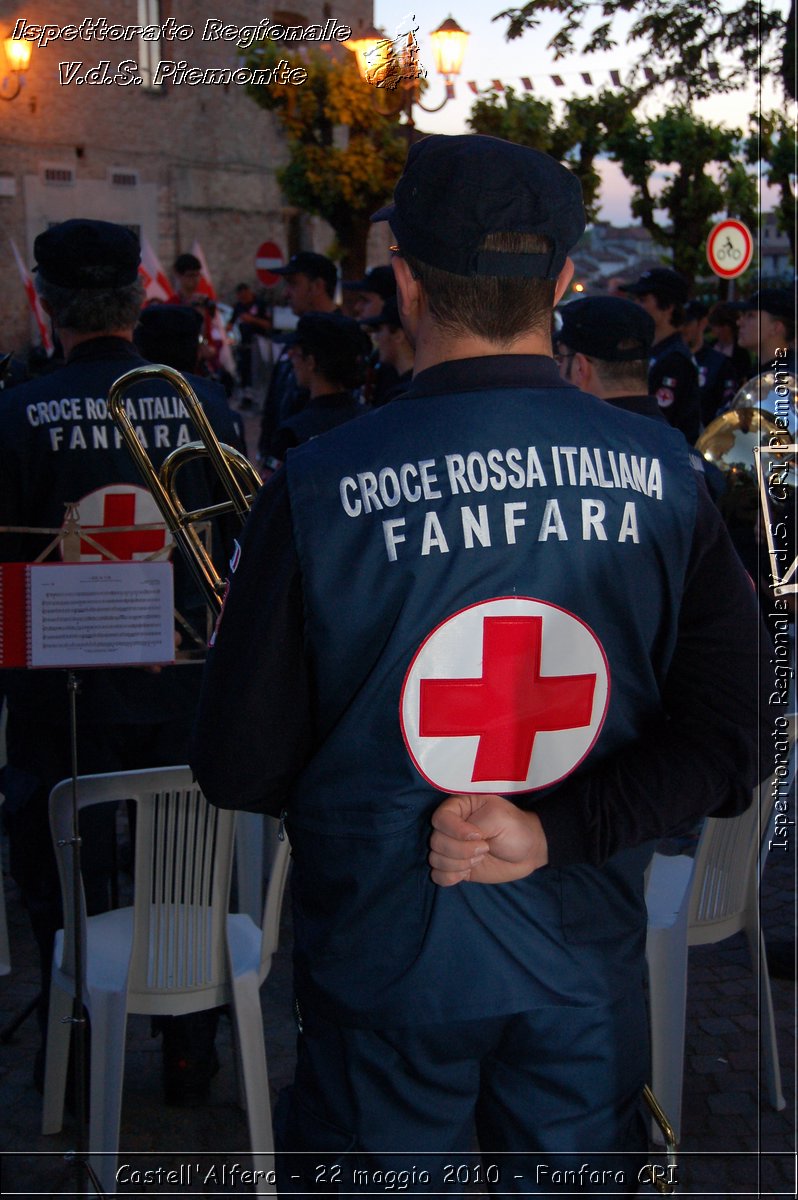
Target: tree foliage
{"type": "Point", "coordinates": [774, 147]}
{"type": "Point", "coordinates": [344, 157]}
{"type": "Point", "coordinates": [700, 49]}
{"type": "Point", "coordinates": [703, 177]}
{"type": "Point", "coordinates": [577, 138]}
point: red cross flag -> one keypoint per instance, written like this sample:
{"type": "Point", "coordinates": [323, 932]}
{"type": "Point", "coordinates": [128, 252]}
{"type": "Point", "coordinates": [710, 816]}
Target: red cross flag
{"type": "Point", "coordinates": [508, 695]}
{"type": "Point", "coordinates": [153, 276]}
{"type": "Point", "coordinates": [204, 287]}
{"type": "Point", "coordinates": [112, 516]}
{"type": "Point", "coordinates": [34, 302]}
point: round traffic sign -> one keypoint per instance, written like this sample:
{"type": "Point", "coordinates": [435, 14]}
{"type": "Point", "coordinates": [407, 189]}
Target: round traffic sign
{"type": "Point", "coordinates": [267, 257]}
{"type": "Point", "coordinates": [730, 248]}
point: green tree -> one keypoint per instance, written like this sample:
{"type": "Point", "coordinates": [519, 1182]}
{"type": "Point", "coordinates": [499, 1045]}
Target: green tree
{"type": "Point", "coordinates": [344, 156]}
{"type": "Point", "coordinates": [578, 138]}
{"type": "Point", "coordinates": [700, 49]}
{"type": "Point", "coordinates": [774, 146]}
{"type": "Point", "coordinates": [703, 177]}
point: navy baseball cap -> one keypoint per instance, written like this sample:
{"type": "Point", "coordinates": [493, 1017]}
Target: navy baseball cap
{"type": "Point", "coordinates": [455, 190]}
{"type": "Point", "coordinates": [332, 332]}
{"type": "Point", "coordinates": [661, 282]}
{"type": "Point", "coordinates": [694, 310]}
{"type": "Point", "coordinates": [606, 327]}
{"type": "Point", "coordinates": [779, 302]}
{"type": "Point", "coordinates": [87, 254]}
{"type": "Point", "coordinates": [380, 280]}
{"type": "Point", "coordinates": [315, 266]}
{"type": "Point", "coordinates": [171, 320]}
{"type": "Point", "coordinates": [388, 316]}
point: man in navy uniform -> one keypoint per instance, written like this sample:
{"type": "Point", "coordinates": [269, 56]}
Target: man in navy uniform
{"type": "Point", "coordinates": [484, 636]}
{"type": "Point", "coordinates": [59, 447]}
{"type": "Point", "coordinates": [766, 326]}
{"type": "Point", "coordinates": [310, 282]}
{"type": "Point", "coordinates": [673, 373]}
{"type": "Point", "coordinates": [717, 376]}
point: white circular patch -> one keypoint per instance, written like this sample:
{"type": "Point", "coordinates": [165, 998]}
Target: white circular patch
{"type": "Point", "coordinates": [113, 509]}
{"type": "Point", "coordinates": [507, 695]}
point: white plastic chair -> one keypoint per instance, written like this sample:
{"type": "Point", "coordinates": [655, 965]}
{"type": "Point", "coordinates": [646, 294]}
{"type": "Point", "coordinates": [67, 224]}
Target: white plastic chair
{"type": "Point", "coordinates": [693, 903]}
{"type": "Point", "coordinates": [176, 950]}
{"type": "Point", "coordinates": [257, 845]}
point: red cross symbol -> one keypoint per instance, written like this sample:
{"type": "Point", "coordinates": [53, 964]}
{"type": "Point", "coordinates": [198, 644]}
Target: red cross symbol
{"type": "Point", "coordinates": [510, 704]}
{"type": "Point", "coordinates": [119, 508]}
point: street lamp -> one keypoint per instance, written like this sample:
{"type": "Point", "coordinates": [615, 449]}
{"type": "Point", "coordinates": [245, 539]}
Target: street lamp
{"type": "Point", "coordinates": [393, 64]}
{"type": "Point", "coordinates": [17, 51]}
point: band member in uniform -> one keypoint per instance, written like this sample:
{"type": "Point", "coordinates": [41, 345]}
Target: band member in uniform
{"type": "Point", "coordinates": [673, 374]}
{"type": "Point", "coordinates": [59, 447]}
{"type": "Point", "coordinates": [495, 641]}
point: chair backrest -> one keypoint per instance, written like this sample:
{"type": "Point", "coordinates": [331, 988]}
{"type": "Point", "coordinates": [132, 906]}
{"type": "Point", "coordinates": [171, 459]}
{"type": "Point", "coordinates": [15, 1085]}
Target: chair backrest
{"type": "Point", "coordinates": [184, 854]}
{"type": "Point", "coordinates": [183, 865]}
{"type": "Point", "coordinates": [728, 862]}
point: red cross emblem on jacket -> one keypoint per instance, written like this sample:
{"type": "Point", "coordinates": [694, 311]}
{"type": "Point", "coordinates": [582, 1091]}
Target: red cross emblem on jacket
{"type": "Point", "coordinates": [507, 695]}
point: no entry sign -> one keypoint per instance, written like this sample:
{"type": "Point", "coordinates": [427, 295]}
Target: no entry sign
{"type": "Point", "coordinates": [267, 257]}
{"type": "Point", "coordinates": [730, 248]}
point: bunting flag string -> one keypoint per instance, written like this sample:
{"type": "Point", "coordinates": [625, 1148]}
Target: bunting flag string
{"type": "Point", "coordinates": [588, 78]}
{"type": "Point", "coordinates": [33, 301]}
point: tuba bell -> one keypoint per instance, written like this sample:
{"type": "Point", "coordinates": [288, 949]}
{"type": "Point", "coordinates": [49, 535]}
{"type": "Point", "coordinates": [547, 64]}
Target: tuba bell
{"type": "Point", "coordinates": [753, 444]}
{"type": "Point", "coordinates": [236, 473]}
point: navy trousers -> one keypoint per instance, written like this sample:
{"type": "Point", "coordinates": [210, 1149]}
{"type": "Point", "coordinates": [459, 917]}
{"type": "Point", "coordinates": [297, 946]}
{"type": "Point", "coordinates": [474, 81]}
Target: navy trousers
{"type": "Point", "coordinates": [546, 1102]}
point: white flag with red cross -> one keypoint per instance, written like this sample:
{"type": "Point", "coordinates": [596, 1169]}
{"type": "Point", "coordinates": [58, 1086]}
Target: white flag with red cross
{"type": "Point", "coordinates": [35, 303]}
{"type": "Point", "coordinates": [218, 331]}
{"type": "Point", "coordinates": [205, 286]}
{"type": "Point", "coordinates": [156, 283]}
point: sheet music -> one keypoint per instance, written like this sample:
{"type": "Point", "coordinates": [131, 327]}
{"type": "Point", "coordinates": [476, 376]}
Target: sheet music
{"type": "Point", "coordinates": [101, 614]}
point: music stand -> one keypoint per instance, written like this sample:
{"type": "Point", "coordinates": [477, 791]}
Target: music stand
{"type": "Point", "coordinates": [76, 616]}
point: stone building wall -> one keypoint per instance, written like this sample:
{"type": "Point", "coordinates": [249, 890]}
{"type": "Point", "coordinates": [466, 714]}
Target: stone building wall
{"type": "Point", "coordinates": [178, 162]}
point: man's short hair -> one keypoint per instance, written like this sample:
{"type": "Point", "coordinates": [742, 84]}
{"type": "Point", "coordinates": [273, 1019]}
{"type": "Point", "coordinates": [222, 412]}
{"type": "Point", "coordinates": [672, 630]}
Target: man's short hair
{"type": "Point", "coordinates": [185, 263]}
{"type": "Point", "coordinates": [92, 310]}
{"type": "Point", "coordinates": [497, 309]}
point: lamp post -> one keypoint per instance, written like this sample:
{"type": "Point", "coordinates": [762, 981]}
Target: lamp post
{"type": "Point", "coordinates": [392, 65]}
{"type": "Point", "coordinates": [17, 52]}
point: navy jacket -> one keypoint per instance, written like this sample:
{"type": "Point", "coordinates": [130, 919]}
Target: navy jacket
{"type": "Point", "coordinates": [577, 542]}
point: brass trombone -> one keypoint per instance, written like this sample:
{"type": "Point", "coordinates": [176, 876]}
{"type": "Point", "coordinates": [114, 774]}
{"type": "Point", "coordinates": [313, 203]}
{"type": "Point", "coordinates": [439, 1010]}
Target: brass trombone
{"type": "Point", "coordinates": [236, 473]}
